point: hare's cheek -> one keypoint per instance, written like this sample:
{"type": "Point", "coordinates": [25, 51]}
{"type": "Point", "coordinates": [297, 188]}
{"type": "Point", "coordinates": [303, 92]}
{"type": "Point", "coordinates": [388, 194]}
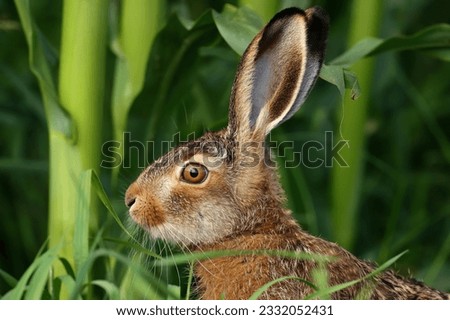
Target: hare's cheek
{"type": "Point", "coordinates": [148, 214]}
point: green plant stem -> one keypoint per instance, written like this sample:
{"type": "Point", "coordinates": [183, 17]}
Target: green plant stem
{"type": "Point", "coordinates": [346, 181]}
{"type": "Point", "coordinates": [140, 22]}
{"type": "Point", "coordinates": [82, 73]}
{"type": "Point", "coordinates": [81, 82]}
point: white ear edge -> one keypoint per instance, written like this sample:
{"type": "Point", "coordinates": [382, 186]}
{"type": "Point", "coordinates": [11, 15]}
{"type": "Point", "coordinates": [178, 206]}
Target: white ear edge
{"type": "Point", "coordinates": [277, 72]}
{"type": "Point", "coordinates": [268, 74]}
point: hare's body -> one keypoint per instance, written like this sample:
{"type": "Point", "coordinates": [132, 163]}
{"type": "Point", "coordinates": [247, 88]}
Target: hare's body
{"type": "Point", "coordinates": [238, 277]}
{"type": "Point", "coordinates": [221, 192]}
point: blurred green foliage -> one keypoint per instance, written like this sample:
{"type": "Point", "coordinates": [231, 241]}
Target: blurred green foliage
{"type": "Point", "coordinates": [405, 184]}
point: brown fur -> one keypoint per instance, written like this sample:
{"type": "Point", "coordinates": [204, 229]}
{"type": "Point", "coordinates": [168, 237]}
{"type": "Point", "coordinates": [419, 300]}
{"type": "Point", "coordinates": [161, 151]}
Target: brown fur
{"type": "Point", "coordinates": [238, 277]}
{"type": "Point", "coordinates": [240, 204]}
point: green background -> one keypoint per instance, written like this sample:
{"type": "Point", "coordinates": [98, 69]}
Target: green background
{"type": "Point", "coordinates": [396, 199]}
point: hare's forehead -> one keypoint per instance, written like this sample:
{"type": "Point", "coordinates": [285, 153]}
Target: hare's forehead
{"type": "Point", "coordinates": [200, 151]}
{"type": "Point", "coordinates": [213, 146]}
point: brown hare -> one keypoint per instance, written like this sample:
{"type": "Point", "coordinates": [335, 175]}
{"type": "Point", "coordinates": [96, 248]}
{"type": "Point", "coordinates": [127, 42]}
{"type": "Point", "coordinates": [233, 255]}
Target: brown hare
{"type": "Point", "coordinates": [221, 192]}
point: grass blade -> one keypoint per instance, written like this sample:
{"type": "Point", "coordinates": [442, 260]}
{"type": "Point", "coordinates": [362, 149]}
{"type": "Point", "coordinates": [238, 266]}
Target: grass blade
{"type": "Point", "coordinates": [183, 258]}
{"type": "Point", "coordinates": [9, 279]}
{"type": "Point", "coordinates": [327, 291]}
{"type": "Point", "coordinates": [110, 288]}
{"type": "Point", "coordinates": [150, 280]}
{"type": "Point", "coordinates": [40, 277]}
{"type": "Point", "coordinates": [262, 289]}
{"type": "Point", "coordinates": [20, 289]}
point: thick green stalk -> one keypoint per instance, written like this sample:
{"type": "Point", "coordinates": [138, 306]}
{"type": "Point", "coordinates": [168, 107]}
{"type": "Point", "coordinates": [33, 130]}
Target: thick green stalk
{"type": "Point", "coordinates": [346, 181]}
{"type": "Point", "coordinates": [81, 82]}
{"type": "Point", "coordinates": [140, 22]}
{"type": "Point", "coordinates": [82, 72]}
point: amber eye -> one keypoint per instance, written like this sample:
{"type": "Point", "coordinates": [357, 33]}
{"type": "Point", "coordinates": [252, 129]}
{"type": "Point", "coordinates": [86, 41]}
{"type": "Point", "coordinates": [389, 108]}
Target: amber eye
{"type": "Point", "coordinates": [194, 173]}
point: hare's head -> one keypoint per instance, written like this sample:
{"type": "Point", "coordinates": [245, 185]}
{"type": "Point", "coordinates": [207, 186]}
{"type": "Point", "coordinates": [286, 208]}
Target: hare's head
{"type": "Point", "coordinates": [222, 183]}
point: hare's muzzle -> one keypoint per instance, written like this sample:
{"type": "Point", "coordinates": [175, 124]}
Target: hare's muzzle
{"type": "Point", "coordinates": [143, 207]}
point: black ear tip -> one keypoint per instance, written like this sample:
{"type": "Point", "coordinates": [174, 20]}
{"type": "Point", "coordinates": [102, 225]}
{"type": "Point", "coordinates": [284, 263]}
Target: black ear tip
{"type": "Point", "coordinates": [317, 12]}
{"type": "Point", "coordinates": [317, 19]}
{"type": "Point", "coordinates": [317, 25]}
{"type": "Point", "coordinates": [288, 12]}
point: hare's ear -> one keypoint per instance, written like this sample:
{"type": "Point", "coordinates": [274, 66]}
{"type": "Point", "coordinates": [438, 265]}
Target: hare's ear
{"type": "Point", "coordinates": [277, 71]}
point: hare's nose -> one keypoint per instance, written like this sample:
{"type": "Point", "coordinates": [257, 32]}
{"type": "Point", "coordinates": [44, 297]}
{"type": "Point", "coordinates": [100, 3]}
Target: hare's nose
{"type": "Point", "coordinates": [130, 201]}
{"type": "Point", "coordinates": [131, 195]}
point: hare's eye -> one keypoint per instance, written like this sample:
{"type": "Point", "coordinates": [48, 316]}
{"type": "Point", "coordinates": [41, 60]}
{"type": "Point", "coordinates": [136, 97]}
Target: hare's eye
{"type": "Point", "coordinates": [194, 173]}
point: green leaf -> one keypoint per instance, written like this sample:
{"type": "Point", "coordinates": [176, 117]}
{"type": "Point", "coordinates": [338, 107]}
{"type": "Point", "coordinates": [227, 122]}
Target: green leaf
{"type": "Point", "coordinates": [58, 119]}
{"type": "Point", "coordinates": [357, 52]}
{"type": "Point", "coordinates": [351, 83]}
{"type": "Point", "coordinates": [342, 79]}
{"type": "Point", "coordinates": [334, 74]}
{"type": "Point", "coordinates": [237, 26]}
{"type": "Point", "coordinates": [174, 63]}
{"type": "Point", "coordinates": [110, 288]}
{"type": "Point", "coordinates": [434, 38]}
